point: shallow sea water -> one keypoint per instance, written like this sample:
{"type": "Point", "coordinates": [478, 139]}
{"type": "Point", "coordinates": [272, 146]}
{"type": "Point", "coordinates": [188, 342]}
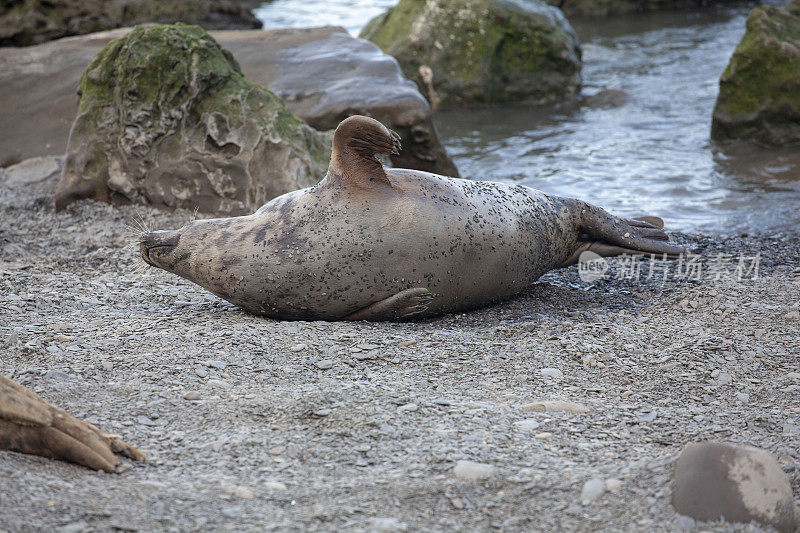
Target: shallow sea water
{"type": "Point", "coordinates": [653, 155]}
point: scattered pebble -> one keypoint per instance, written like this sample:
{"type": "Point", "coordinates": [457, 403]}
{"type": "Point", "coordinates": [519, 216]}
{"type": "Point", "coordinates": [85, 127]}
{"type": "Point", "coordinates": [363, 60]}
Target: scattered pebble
{"type": "Point", "coordinates": [324, 364]}
{"type": "Point", "coordinates": [144, 421]}
{"type": "Point", "coordinates": [592, 490]}
{"type": "Point", "coordinates": [723, 378]}
{"type": "Point", "coordinates": [201, 372]}
{"type": "Point", "coordinates": [191, 395]}
{"type": "Point", "coordinates": [219, 383]}
{"type": "Point", "coordinates": [219, 365]}
{"type": "Point", "coordinates": [274, 485]}
{"type": "Point", "coordinates": [613, 484]}
{"type": "Point", "coordinates": [387, 525]}
{"type": "Point", "coordinates": [553, 373]}
{"type": "Point", "coordinates": [527, 424]}
{"type": "Point", "coordinates": [408, 408]}
{"type": "Point", "coordinates": [740, 482]}
{"type": "Point", "coordinates": [232, 512]}
{"type": "Point", "coordinates": [545, 435]}
{"type": "Point", "coordinates": [556, 405]}
{"type": "Point", "coordinates": [743, 397]}
{"type": "Point", "coordinates": [298, 347]}
{"type": "Point", "coordinates": [472, 470]}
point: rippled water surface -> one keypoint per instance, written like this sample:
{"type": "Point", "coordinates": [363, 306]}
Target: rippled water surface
{"type": "Point", "coordinates": [652, 155]}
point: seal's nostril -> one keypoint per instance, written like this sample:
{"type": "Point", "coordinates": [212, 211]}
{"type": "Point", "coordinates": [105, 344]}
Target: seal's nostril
{"type": "Point", "coordinates": [157, 243]}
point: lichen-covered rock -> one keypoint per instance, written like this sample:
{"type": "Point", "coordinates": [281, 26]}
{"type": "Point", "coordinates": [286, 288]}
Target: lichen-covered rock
{"type": "Point", "coordinates": [482, 51]}
{"type": "Point", "coordinates": [601, 8]}
{"type": "Point", "coordinates": [738, 482]}
{"type": "Point", "coordinates": [166, 117]}
{"type": "Point", "coordinates": [29, 22]}
{"type": "Point", "coordinates": [759, 92]}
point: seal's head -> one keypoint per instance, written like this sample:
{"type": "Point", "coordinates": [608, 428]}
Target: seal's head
{"type": "Point", "coordinates": [158, 248]}
{"type": "Point", "coordinates": [356, 143]}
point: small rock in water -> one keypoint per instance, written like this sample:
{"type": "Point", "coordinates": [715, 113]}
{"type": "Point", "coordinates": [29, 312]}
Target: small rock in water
{"type": "Point", "coordinates": [553, 373]}
{"type": "Point", "coordinates": [298, 347]}
{"type": "Point", "coordinates": [592, 489]}
{"type": "Point", "coordinates": [472, 470]}
{"type": "Point", "coordinates": [528, 424]}
{"type": "Point", "coordinates": [191, 395]}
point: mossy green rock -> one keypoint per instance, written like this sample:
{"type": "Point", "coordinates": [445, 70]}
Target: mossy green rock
{"type": "Point", "coordinates": [166, 117]}
{"type": "Point", "coordinates": [29, 22]}
{"type": "Point", "coordinates": [482, 51]}
{"type": "Point", "coordinates": [759, 92]}
{"type": "Point", "coordinates": [602, 8]}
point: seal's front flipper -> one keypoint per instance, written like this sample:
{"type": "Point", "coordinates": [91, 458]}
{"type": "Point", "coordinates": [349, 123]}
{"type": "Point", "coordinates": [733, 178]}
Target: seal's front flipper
{"type": "Point", "coordinates": [402, 306]}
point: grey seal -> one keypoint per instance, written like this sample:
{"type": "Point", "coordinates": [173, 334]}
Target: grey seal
{"type": "Point", "coordinates": [371, 243]}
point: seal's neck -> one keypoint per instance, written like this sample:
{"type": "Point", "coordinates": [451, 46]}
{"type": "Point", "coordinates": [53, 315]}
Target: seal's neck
{"type": "Point", "coordinates": [349, 166]}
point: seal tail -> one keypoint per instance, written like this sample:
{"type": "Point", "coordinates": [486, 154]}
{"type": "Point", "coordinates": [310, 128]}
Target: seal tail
{"type": "Point", "coordinates": [608, 235]}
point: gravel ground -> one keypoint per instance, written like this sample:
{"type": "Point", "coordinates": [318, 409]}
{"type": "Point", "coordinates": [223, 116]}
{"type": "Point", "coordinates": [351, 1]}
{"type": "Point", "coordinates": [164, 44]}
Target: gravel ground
{"type": "Point", "coordinates": [358, 426]}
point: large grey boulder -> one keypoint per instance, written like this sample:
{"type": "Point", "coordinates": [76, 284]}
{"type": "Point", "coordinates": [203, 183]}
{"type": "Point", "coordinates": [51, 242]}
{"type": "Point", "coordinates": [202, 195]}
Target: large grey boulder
{"type": "Point", "coordinates": [29, 22]}
{"type": "Point", "coordinates": [759, 92]}
{"type": "Point", "coordinates": [166, 117]}
{"type": "Point", "coordinates": [338, 76]}
{"type": "Point", "coordinates": [736, 482]}
{"type": "Point", "coordinates": [466, 52]}
{"type": "Point", "coordinates": [325, 76]}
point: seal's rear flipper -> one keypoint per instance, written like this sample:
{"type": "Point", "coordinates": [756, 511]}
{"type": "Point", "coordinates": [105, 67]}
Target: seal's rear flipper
{"type": "Point", "coordinates": [402, 306]}
{"type": "Point", "coordinates": [607, 235]}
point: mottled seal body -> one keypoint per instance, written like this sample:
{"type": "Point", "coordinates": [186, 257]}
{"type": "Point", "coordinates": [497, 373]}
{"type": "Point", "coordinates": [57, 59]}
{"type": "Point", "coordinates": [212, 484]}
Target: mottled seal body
{"type": "Point", "coordinates": [388, 244]}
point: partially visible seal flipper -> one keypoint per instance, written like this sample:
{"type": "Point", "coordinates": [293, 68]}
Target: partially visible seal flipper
{"type": "Point", "coordinates": [30, 425]}
{"type": "Point", "coordinates": [404, 305]}
{"type": "Point", "coordinates": [609, 235]}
